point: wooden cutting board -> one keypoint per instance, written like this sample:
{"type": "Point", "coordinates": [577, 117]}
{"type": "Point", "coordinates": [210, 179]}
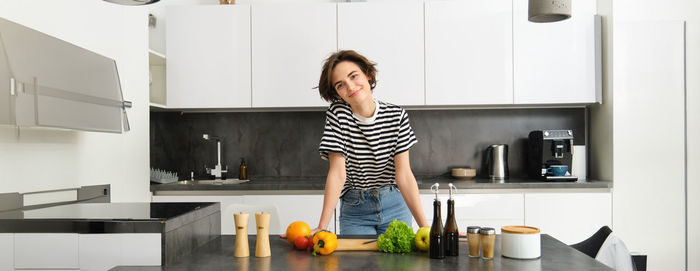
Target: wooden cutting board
{"type": "Point", "coordinates": [356, 244]}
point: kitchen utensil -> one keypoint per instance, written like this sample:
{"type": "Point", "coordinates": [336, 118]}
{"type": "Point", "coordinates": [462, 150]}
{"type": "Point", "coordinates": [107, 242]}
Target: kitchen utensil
{"type": "Point", "coordinates": [241, 248]}
{"type": "Point", "coordinates": [557, 170]}
{"type": "Point", "coordinates": [487, 241]}
{"type": "Point", "coordinates": [262, 244]}
{"type": "Point", "coordinates": [520, 242]}
{"type": "Point", "coordinates": [497, 159]}
{"type": "Point", "coordinates": [370, 241]}
{"type": "Point", "coordinates": [473, 240]}
{"type": "Point", "coordinates": [437, 234]}
{"type": "Point", "coordinates": [357, 244]}
{"type": "Point", "coordinates": [162, 176]}
{"type": "Point", "coordinates": [463, 173]}
{"type": "Point", "coordinates": [451, 230]}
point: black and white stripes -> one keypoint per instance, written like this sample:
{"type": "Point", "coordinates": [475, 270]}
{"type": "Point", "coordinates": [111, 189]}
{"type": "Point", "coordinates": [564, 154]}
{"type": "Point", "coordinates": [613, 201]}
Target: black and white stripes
{"type": "Point", "coordinates": [368, 144]}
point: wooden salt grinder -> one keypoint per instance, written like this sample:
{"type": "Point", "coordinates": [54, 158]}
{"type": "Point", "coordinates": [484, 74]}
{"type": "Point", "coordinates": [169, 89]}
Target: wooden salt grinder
{"type": "Point", "coordinates": [241, 249]}
{"type": "Point", "coordinates": [262, 245]}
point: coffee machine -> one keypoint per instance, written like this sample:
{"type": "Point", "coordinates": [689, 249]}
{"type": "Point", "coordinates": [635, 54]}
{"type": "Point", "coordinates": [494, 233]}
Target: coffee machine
{"type": "Point", "coordinates": [547, 150]}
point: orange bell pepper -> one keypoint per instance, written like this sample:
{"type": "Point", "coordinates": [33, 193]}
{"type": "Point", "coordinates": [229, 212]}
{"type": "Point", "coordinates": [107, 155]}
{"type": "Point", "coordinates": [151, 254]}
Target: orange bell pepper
{"type": "Point", "coordinates": [325, 242]}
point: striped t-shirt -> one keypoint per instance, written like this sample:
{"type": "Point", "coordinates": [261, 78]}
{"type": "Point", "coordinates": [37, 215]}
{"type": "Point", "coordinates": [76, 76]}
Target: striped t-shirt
{"type": "Point", "coordinates": [368, 144]}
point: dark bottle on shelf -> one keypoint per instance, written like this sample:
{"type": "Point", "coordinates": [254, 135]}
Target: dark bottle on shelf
{"type": "Point", "coordinates": [451, 231]}
{"type": "Point", "coordinates": [437, 235]}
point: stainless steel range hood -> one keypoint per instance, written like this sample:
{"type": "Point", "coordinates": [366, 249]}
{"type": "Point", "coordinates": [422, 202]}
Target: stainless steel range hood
{"type": "Point", "coordinates": [47, 82]}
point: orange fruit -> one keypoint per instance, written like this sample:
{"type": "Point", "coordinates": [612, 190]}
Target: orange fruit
{"type": "Point", "coordinates": [296, 229]}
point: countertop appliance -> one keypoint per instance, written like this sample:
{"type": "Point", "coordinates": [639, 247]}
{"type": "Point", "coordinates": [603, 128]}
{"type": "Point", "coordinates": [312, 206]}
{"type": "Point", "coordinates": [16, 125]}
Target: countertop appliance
{"type": "Point", "coordinates": [497, 159]}
{"type": "Point", "coordinates": [547, 148]}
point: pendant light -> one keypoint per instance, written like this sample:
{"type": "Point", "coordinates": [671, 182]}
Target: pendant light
{"type": "Point", "coordinates": [132, 2]}
{"type": "Point", "coordinates": [547, 11]}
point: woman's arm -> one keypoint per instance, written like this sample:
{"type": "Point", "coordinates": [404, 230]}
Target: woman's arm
{"type": "Point", "coordinates": [334, 185]}
{"type": "Point", "coordinates": [409, 188]}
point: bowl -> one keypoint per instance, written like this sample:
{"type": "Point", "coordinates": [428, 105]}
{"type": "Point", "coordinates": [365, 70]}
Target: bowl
{"type": "Point", "coordinates": [463, 173]}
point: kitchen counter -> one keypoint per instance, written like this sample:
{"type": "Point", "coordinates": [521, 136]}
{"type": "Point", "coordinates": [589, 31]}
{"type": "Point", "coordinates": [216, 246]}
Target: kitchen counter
{"type": "Point", "coordinates": [218, 255]}
{"type": "Point", "coordinates": [124, 217]}
{"type": "Point", "coordinates": [181, 226]}
{"type": "Point", "coordinates": [311, 185]}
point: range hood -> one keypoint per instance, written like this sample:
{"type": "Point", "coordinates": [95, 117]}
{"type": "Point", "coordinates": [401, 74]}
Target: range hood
{"type": "Point", "coordinates": [47, 82]}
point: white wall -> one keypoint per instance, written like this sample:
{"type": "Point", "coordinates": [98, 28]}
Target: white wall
{"type": "Point", "coordinates": [42, 159]}
{"type": "Point", "coordinates": [648, 207]}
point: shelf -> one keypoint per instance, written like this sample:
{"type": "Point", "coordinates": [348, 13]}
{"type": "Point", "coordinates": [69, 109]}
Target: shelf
{"type": "Point", "coordinates": [155, 58]}
{"type": "Point", "coordinates": [157, 105]}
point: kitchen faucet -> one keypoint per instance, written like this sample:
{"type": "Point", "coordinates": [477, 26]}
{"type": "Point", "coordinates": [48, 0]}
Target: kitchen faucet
{"type": "Point", "coordinates": [216, 171]}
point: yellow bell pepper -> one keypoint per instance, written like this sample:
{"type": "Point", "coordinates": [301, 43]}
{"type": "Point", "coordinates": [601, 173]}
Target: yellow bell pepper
{"type": "Point", "coordinates": [325, 242]}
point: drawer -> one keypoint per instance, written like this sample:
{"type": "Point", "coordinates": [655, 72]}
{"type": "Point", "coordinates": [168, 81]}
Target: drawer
{"type": "Point", "coordinates": [46, 251]}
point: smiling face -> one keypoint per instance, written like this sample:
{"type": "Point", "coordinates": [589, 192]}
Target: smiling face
{"type": "Point", "coordinates": [351, 84]}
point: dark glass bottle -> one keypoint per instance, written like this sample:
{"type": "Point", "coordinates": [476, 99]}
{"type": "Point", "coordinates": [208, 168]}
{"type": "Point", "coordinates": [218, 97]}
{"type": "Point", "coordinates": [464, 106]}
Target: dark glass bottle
{"type": "Point", "coordinates": [451, 231]}
{"type": "Point", "coordinates": [243, 170]}
{"type": "Point", "coordinates": [437, 236]}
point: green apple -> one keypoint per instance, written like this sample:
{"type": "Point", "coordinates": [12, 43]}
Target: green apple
{"type": "Point", "coordinates": [422, 239]}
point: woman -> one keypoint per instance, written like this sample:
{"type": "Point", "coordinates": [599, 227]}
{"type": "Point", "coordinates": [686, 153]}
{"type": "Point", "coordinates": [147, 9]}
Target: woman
{"type": "Point", "coordinates": [366, 142]}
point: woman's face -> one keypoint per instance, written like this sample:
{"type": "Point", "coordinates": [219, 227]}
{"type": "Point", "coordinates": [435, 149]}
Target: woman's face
{"type": "Point", "coordinates": [351, 83]}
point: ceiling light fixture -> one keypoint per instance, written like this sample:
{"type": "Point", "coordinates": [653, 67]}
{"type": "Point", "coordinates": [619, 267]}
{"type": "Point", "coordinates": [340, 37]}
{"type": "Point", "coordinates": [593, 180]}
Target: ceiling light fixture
{"type": "Point", "coordinates": [132, 2]}
{"type": "Point", "coordinates": [547, 11]}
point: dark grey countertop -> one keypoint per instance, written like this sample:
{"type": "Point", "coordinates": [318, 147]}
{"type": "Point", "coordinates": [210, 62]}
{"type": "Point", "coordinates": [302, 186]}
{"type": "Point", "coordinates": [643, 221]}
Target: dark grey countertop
{"type": "Point", "coordinates": [218, 255]}
{"type": "Point", "coordinates": [282, 184]}
{"type": "Point", "coordinates": [120, 217]}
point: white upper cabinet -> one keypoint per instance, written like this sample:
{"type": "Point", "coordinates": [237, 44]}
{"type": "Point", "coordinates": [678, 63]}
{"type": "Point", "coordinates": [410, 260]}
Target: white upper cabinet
{"type": "Point", "coordinates": [390, 34]}
{"type": "Point", "coordinates": [557, 62]}
{"type": "Point", "coordinates": [468, 52]}
{"type": "Point", "coordinates": [290, 43]}
{"type": "Point", "coordinates": [208, 56]}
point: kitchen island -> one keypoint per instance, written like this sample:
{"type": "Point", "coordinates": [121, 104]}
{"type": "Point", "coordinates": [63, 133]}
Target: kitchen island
{"type": "Point", "coordinates": [218, 255]}
{"type": "Point", "coordinates": [98, 236]}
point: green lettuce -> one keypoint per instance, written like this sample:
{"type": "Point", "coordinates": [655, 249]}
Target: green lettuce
{"type": "Point", "coordinates": [398, 238]}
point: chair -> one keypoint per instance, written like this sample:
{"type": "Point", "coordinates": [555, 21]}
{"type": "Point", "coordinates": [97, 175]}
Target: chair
{"type": "Point", "coordinates": [228, 222]}
{"type": "Point", "coordinates": [593, 244]}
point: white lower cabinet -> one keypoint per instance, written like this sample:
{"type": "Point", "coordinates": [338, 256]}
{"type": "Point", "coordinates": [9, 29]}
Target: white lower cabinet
{"type": "Point", "coordinates": [284, 209]}
{"type": "Point", "coordinates": [569, 217]}
{"type": "Point", "coordinates": [292, 208]}
{"type": "Point", "coordinates": [46, 251]}
{"type": "Point", "coordinates": [485, 210]}
{"type": "Point", "coordinates": [7, 251]}
{"type": "Point", "coordinates": [105, 251]}
{"type": "Point", "coordinates": [72, 251]}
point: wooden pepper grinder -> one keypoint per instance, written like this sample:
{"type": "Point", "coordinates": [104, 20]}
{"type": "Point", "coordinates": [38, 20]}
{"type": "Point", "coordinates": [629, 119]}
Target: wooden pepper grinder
{"type": "Point", "coordinates": [241, 249]}
{"type": "Point", "coordinates": [262, 245]}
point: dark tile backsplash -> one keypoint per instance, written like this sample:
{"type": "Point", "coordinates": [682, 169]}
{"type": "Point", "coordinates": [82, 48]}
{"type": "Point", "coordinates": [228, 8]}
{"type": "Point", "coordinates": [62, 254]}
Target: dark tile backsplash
{"type": "Point", "coordinates": [286, 143]}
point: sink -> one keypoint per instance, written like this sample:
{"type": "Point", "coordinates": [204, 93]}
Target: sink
{"type": "Point", "coordinates": [220, 182]}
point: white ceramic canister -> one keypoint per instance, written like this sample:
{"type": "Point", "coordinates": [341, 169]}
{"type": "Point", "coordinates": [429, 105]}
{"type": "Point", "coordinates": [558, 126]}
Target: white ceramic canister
{"type": "Point", "coordinates": [520, 242]}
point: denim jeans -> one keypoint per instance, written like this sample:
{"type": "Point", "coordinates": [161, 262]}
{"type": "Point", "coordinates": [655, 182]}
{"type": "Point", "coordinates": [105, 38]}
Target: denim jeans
{"type": "Point", "coordinates": [369, 212]}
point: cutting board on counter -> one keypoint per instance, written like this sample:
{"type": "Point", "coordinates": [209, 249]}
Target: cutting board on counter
{"type": "Point", "coordinates": [356, 244]}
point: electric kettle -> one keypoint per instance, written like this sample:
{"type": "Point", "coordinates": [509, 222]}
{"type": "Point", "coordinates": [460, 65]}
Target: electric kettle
{"type": "Point", "coordinates": [497, 160]}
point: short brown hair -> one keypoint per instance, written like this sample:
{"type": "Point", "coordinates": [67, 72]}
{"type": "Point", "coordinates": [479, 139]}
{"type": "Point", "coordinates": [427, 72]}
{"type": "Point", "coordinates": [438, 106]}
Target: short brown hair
{"type": "Point", "coordinates": [325, 83]}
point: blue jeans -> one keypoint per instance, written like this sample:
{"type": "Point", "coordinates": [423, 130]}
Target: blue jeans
{"type": "Point", "coordinates": [369, 212]}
